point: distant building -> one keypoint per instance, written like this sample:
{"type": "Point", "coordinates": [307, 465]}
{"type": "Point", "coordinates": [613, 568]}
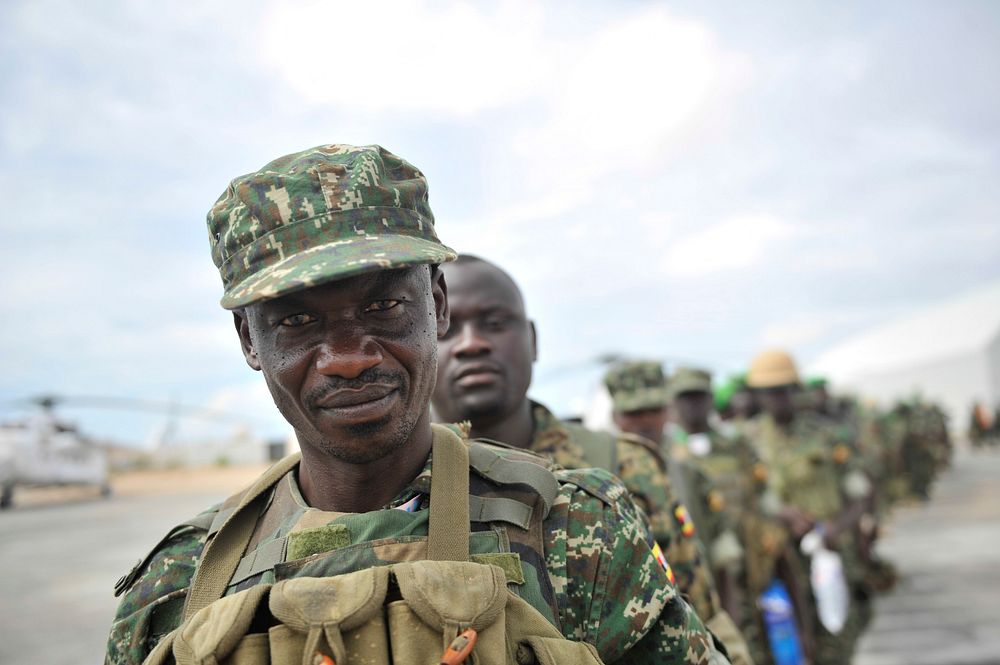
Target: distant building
{"type": "Point", "coordinates": [949, 353]}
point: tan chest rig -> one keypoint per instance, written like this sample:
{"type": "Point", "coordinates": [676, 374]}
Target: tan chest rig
{"type": "Point", "coordinates": [442, 609]}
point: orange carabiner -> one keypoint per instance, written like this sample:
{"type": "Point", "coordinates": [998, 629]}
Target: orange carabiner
{"type": "Point", "coordinates": [320, 658]}
{"type": "Point", "coordinates": [460, 648]}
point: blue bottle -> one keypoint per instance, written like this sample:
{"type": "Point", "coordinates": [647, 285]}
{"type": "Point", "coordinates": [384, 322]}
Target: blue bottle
{"type": "Point", "coordinates": [779, 621]}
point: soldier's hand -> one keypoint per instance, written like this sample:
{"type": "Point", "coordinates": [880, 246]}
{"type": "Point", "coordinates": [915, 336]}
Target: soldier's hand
{"type": "Point", "coordinates": [798, 521]}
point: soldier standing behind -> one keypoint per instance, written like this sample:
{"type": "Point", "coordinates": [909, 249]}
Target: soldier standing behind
{"type": "Point", "coordinates": [484, 371]}
{"type": "Point", "coordinates": [820, 489]}
{"type": "Point", "coordinates": [640, 395]}
{"type": "Point", "coordinates": [753, 551]}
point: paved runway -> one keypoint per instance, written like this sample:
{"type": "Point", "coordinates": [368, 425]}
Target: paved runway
{"type": "Point", "coordinates": [60, 561]}
{"type": "Point", "coordinates": [946, 609]}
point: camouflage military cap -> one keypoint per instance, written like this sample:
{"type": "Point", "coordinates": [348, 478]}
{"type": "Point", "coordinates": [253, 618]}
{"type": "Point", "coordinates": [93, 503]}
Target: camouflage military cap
{"type": "Point", "coordinates": [637, 385]}
{"type": "Point", "coordinates": [690, 380]}
{"type": "Point", "coordinates": [320, 215]}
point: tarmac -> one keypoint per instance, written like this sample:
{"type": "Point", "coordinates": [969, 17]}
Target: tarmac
{"type": "Point", "coordinates": [946, 608]}
{"type": "Point", "coordinates": [61, 559]}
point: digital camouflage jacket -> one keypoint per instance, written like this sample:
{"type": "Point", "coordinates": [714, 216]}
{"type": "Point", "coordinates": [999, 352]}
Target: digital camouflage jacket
{"type": "Point", "coordinates": [644, 473]}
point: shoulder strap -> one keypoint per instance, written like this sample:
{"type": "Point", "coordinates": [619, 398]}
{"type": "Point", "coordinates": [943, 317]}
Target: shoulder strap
{"type": "Point", "coordinates": [448, 527]}
{"type": "Point", "coordinates": [222, 553]}
{"type": "Point", "coordinates": [526, 468]}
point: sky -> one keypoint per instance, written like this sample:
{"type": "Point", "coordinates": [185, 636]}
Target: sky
{"type": "Point", "coordinates": [688, 181]}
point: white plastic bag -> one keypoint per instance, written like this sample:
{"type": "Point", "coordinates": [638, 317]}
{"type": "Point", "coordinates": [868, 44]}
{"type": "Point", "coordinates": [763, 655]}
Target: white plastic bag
{"type": "Point", "coordinates": [826, 574]}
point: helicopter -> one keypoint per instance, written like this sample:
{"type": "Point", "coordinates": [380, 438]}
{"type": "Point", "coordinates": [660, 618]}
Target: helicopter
{"type": "Point", "coordinates": [43, 449]}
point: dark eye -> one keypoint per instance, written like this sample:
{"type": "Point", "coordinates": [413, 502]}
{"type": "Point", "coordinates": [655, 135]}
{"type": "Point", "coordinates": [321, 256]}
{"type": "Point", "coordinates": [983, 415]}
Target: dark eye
{"type": "Point", "coordinates": [495, 322]}
{"type": "Point", "coordinates": [296, 320]}
{"type": "Point", "coordinates": [382, 305]}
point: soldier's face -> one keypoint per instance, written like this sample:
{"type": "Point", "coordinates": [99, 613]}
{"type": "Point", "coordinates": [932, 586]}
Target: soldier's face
{"type": "Point", "coordinates": [744, 404]}
{"type": "Point", "coordinates": [644, 422]}
{"type": "Point", "coordinates": [351, 364]}
{"type": "Point", "coordinates": [485, 358]}
{"type": "Point", "coordinates": [778, 402]}
{"type": "Point", "coordinates": [693, 409]}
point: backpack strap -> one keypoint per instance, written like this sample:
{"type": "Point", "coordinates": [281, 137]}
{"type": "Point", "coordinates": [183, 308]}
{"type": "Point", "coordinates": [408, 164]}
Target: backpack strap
{"type": "Point", "coordinates": [222, 554]}
{"type": "Point", "coordinates": [448, 527]}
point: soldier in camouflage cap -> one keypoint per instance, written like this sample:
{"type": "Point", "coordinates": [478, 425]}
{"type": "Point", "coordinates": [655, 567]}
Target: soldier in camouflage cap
{"type": "Point", "coordinates": [750, 548]}
{"type": "Point", "coordinates": [329, 261]}
{"type": "Point", "coordinates": [638, 392]}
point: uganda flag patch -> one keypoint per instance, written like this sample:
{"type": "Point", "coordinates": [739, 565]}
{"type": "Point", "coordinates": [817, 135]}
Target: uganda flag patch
{"type": "Point", "coordinates": [684, 519]}
{"type": "Point", "coordinates": [658, 553]}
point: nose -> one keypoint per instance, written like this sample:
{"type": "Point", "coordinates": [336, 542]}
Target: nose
{"type": "Point", "coordinates": [470, 341]}
{"type": "Point", "coordinates": [347, 357]}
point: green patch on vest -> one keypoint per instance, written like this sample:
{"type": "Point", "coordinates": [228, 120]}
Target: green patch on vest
{"type": "Point", "coordinates": [317, 539]}
{"type": "Point", "coordinates": [508, 562]}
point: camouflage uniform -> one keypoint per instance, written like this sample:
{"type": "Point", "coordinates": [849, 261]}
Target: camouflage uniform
{"type": "Point", "coordinates": [643, 472]}
{"type": "Point", "coordinates": [600, 584]}
{"type": "Point", "coordinates": [810, 468]}
{"type": "Point", "coordinates": [640, 385]}
{"type": "Point", "coordinates": [748, 540]}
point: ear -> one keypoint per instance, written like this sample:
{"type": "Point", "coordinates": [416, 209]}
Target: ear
{"type": "Point", "coordinates": [439, 289]}
{"type": "Point", "coordinates": [242, 323]}
{"type": "Point", "coordinates": [534, 341]}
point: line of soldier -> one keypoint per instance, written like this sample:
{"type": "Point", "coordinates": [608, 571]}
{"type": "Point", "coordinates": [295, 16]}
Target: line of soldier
{"type": "Point", "coordinates": [496, 532]}
{"type": "Point", "coordinates": [785, 463]}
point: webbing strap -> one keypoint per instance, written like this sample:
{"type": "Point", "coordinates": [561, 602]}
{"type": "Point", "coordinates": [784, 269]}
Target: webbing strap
{"type": "Point", "coordinates": [499, 509]}
{"type": "Point", "coordinates": [222, 554]}
{"type": "Point", "coordinates": [261, 560]}
{"type": "Point", "coordinates": [448, 527]}
{"type": "Point", "coordinates": [220, 519]}
{"type": "Point", "coordinates": [505, 471]}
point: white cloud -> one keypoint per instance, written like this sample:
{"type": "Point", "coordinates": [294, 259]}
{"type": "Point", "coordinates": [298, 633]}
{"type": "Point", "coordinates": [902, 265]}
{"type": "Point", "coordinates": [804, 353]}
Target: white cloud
{"type": "Point", "coordinates": [383, 56]}
{"type": "Point", "coordinates": [805, 329]}
{"type": "Point", "coordinates": [738, 242]}
{"type": "Point", "coordinates": [627, 95]}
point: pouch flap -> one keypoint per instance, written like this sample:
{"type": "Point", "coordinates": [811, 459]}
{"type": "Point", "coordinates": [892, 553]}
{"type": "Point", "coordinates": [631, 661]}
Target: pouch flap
{"type": "Point", "coordinates": [455, 593]}
{"type": "Point", "coordinates": [214, 631]}
{"type": "Point", "coordinates": [346, 601]}
{"type": "Point", "coordinates": [556, 651]}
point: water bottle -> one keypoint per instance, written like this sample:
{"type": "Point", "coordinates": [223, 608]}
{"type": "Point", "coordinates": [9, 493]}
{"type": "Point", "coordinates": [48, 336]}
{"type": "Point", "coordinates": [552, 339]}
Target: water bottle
{"type": "Point", "coordinates": [779, 622]}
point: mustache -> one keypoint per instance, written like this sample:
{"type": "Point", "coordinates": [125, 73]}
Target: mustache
{"type": "Point", "coordinates": [372, 375]}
